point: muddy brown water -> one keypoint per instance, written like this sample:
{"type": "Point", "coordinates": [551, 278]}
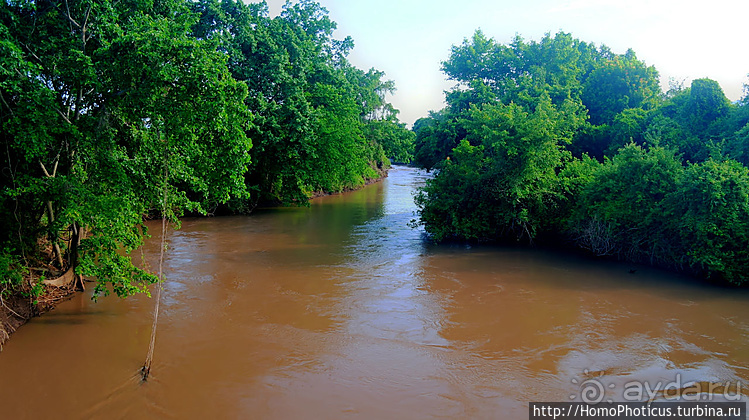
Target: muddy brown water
{"type": "Point", "coordinates": [341, 310]}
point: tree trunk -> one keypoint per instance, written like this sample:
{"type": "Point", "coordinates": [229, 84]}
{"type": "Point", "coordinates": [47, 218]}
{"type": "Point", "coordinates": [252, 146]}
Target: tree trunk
{"type": "Point", "coordinates": [75, 241]}
{"type": "Point", "coordinates": [53, 238]}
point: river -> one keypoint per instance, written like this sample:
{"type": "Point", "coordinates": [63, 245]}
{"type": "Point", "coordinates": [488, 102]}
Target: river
{"type": "Point", "coordinates": [341, 310]}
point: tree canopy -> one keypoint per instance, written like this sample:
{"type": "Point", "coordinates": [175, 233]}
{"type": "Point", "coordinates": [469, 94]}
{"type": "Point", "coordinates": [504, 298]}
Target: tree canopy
{"type": "Point", "coordinates": [561, 141]}
{"type": "Point", "coordinates": [115, 111]}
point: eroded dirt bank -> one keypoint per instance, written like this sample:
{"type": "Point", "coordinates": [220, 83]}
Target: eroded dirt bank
{"type": "Point", "coordinates": [17, 309]}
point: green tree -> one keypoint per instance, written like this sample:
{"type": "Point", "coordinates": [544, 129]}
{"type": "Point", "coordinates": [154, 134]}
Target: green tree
{"type": "Point", "coordinates": [621, 211]}
{"type": "Point", "coordinates": [512, 190]}
{"type": "Point", "coordinates": [628, 126]}
{"type": "Point", "coordinates": [618, 83]}
{"type": "Point", "coordinates": [711, 205]}
{"type": "Point", "coordinates": [311, 106]}
{"type": "Point", "coordinates": [696, 121]}
{"type": "Point", "coordinates": [505, 142]}
{"type": "Point", "coordinates": [705, 105]}
{"type": "Point", "coordinates": [127, 106]}
{"type": "Point", "coordinates": [518, 107]}
{"type": "Point", "coordinates": [737, 145]}
{"type": "Point", "coordinates": [456, 204]}
{"type": "Point", "coordinates": [644, 205]}
{"type": "Point", "coordinates": [436, 137]}
{"type": "Point", "coordinates": [396, 140]}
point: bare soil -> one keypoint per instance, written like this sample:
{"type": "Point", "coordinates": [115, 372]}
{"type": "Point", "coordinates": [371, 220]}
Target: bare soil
{"type": "Point", "coordinates": [19, 308]}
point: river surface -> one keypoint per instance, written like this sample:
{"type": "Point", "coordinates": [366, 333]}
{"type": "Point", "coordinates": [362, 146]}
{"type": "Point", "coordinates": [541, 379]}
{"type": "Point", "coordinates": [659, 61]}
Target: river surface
{"type": "Point", "coordinates": [341, 310]}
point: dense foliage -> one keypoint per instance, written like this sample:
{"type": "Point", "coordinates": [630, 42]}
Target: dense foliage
{"type": "Point", "coordinates": [317, 118]}
{"type": "Point", "coordinates": [558, 139]}
{"type": "Point", "coordinates": [116, 111]}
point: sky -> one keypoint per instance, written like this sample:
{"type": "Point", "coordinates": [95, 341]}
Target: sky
{"type": "Point", "coordinates": [408, 39]}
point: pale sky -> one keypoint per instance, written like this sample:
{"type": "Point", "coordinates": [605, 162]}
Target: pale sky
{"type": "Point", "coordinates": [407, 39]}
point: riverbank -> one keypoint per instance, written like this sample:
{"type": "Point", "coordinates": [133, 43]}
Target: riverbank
{"type": "Point", "coordinates": [14, 312]}
{"type": "Point", "coordinates": [341, 309]}
{"type": "Point", "coordinates": [18, 308]}
{"type": "Point", "coordinates": [382, 172]}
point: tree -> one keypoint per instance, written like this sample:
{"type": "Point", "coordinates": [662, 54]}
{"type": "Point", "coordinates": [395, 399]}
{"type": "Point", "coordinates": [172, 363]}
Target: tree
{"type": "Point", "coordinates": [711, 205]}
{"type": "Point", "coordinates": [505, 142]}
{"type": "Point", "coordinates": [436, 137]}
{"type": "Point", "coordinates": [619, 83]}
{"type": "Point", "coordinates": [512, 190]}
{"type": "Point", "coordinates": [696, 120]}
{"type": "Point", "coordinates": [311, 106]}
{"type": "Point", "coordinates": [705, 105]}
{"type": "Point", "coordinates": [397, 141]}
{"type": "Point", "coordinates": [628, 126]}
{"type": "Point", "coordinates": [513, 114]}
{"type": "Point", "coordinates": [644, 205]}
{"type": "Point", "coordinates": [125, 110]}
{"type": "Point", "coordinates": [623, 203]}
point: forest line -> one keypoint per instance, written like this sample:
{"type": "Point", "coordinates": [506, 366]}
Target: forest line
{"type": "Point", "coordinates": [114, 112]}
{"type": "Point", "coordinates": [111, 108]}
{"type": "Point", "coordinates": [560, 141]}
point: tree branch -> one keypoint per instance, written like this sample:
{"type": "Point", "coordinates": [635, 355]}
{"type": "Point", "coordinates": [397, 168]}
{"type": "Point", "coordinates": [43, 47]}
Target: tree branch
{"type": "Point", "coordinates": [63, 116]}
{"type": "Point", "coordinates": [67, 6]}
{"type": "Point", "coordinates": [39, 60]}
{"type": "Point", "coordinates": [44, 169]}
{"type": "Point", "coordinates": [57, 161]}
{"type": "Point", "coordinates": [54, 170]}
{"type": "Point", "coordinates": [84, 40]}
{"type": "Point", "coordinates": [2, 98]}
{"type": "Point", "coordinates": [66, 16]}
